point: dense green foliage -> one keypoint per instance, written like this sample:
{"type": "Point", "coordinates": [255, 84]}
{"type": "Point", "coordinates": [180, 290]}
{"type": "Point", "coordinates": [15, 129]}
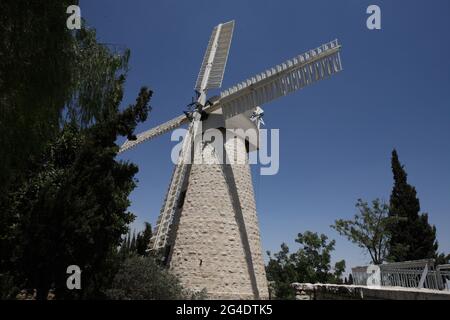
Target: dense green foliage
{"type": "Point", "coordinates": [369, 229]}
{"type": "Point", "coordinates": [412, 237]}
{"type": "Point", "coordinates": [94, 74]}
{"type": "Point", "coordinates": [50, 76]}
{"type": "Point", "coordinates": [36, 59]}
{"type": "Point", "coordinates": [72, 208]}
{"type": "Point", "coordinates": [142, 278]}
{"type": "Point", "coordinates": [137, 244]}
{"type": "Point", "coordinates": [64, 197]}
{"type": "Point", "coordinates": [143, 240]}
{"type": "Point", "coordinates": [310, 263]}
{"type": "Point", "coordinates": [442, 258]}
{"type": "Point", "coordinates": [398, 232]}
{"type": "Point", "coordinates": [35, 73]}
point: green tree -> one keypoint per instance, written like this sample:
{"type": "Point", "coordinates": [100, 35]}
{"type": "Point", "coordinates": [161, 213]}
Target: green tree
{"type": "Point", "coordinates": [281, 272]}
{"type": "Point", "coordinates": [136, 244]}
{"type": "Point", "coordinates": [47, 71]}
{"type": "Point", "coordinates": [142, 278]}
{"type": "Point", "coordinates": [95, 70]}
{"type": "Point", "coordinates": [314, 257]}
{"type": "Point", "coordinates": [36, 62]}
{"type": "Point", "coordinates": [49, 76]}
{"type": "Point", "coordinates": [442, 258]}
{"type": "Point", "coordinates": [412, 237]}
{"type": "Point", "coordinates": [369, 229]}
{"type": "Point", "coordinates": [311, 263]}
{"type": "Point", "coordinates": [72, 208]}
{"type": "Point", "coordinates": [339, 269]}
{"type": "Point", "coordinates": [36, 65]}
{"type": "Point", "coordinates": [143, 239]}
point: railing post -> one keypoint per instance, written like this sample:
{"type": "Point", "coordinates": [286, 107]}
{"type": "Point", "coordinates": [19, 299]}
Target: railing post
{"type": "Point", "coordinates": [423, 277]}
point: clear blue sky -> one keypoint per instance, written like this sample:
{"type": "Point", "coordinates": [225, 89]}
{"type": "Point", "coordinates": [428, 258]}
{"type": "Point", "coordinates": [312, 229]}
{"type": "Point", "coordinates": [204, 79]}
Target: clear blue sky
{"type": "Point", "coordinates": [336, 136]}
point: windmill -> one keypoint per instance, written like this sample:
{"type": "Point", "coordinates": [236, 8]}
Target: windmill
{"type": "Point", "coordinates": [208, 228]}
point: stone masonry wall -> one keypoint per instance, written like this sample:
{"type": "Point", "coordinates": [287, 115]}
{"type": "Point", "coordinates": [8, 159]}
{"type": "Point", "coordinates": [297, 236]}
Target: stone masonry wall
{"type": "Point", "coordinates": [217, 244]}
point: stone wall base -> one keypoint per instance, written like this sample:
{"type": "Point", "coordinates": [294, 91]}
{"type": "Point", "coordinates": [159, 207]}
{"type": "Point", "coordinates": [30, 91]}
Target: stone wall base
{"type": "Point", "coordinates": [233, 296]}
{"type": "Point", "coordinates": [319, 291]}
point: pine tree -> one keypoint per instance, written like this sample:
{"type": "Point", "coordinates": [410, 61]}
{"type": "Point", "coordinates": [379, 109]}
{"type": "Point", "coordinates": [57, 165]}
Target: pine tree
{"type": "Point", "coordinates": [412, 237]}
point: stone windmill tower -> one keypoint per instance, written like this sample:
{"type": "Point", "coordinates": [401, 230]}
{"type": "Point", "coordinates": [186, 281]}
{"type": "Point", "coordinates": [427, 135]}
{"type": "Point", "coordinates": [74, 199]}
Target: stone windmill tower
{"type": "Point", "coordinates": [208, 229]}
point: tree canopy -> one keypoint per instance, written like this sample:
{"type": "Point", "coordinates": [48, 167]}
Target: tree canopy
{"type": "Point", "coordinates": [36, 65]}
{"type": "Point", "coordinates": [310, 263]}
{"type": "Point", "coordinates": [63, 196]}
{"type": "Point", "coordinates": [137, 244]}
{"type": "Point", "coordinates": [50, 75]}
{"type": "Point", "coordinates": [369, 229]}
{"type": "Point", "coordinates": [142, 278]}
{"type": "Point", "coordinates": [72, 208]}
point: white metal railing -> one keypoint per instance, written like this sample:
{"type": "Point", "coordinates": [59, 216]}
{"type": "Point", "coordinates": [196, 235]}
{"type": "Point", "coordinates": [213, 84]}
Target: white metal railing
{"type": "Point", "coordinates": [409, 274]}
{"type": "Point", "coordinates": [282, 79]}
{"type": "Point", "coordinates": [443, 272]}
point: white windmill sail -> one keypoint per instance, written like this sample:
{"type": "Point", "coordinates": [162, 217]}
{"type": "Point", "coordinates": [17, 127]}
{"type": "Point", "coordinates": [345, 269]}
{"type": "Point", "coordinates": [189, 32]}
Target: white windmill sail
{"type": "Point", "coordinates": [211, 73]}
{"type": "Point", "coordinates": [215, 59]}
{"type": "Point", "coordinates": [287, 77]}
{"type": "Point", "coordinates": [154, 132]}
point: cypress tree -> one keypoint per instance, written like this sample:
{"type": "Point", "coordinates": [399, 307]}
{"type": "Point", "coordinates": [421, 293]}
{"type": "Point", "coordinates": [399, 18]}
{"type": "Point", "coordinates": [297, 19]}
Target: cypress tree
{"type": "Point", "coordinates": [133, 242]}
{"type": "Point", "coordinates": [412, 237]}
{"type": "Point", "coordinates": [143, 239]}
